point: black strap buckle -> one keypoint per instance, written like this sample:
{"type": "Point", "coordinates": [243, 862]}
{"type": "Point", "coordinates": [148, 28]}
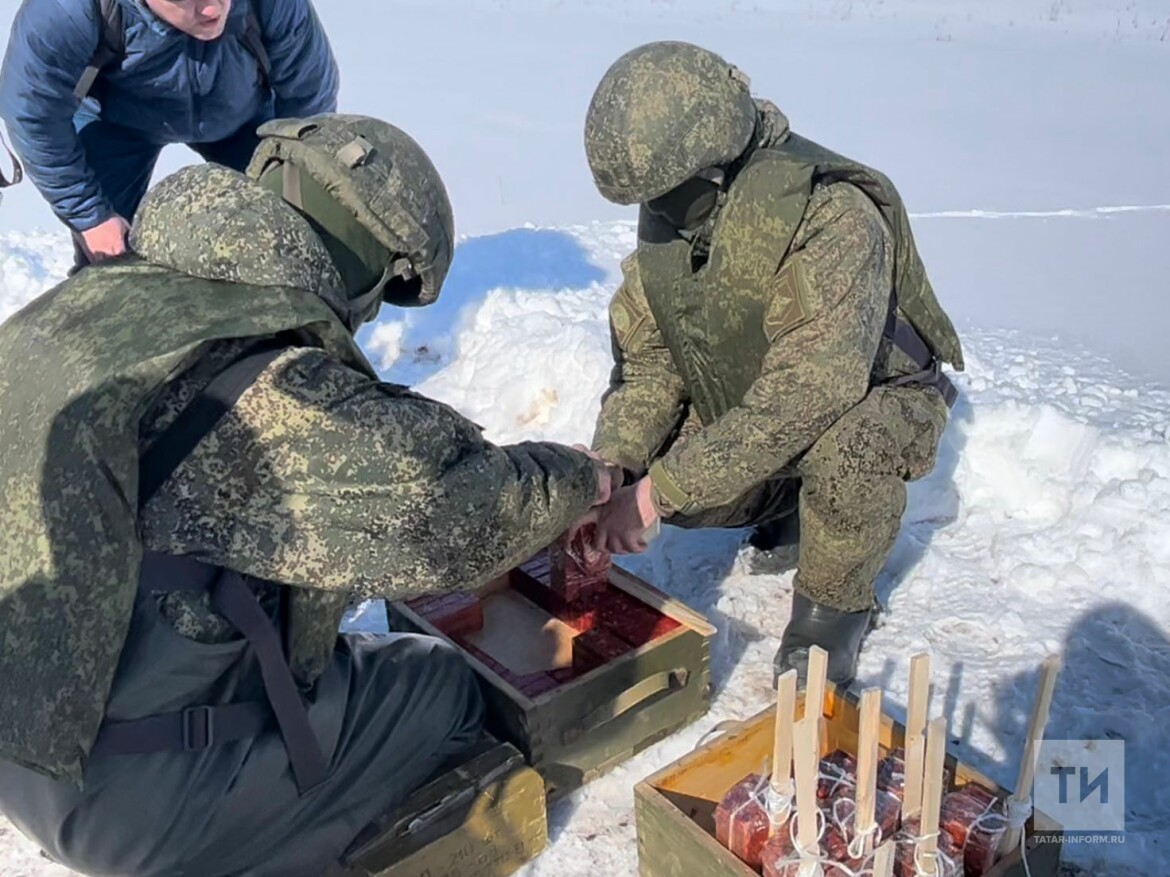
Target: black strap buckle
{"type": "Point", "coordinates": [198, 731]}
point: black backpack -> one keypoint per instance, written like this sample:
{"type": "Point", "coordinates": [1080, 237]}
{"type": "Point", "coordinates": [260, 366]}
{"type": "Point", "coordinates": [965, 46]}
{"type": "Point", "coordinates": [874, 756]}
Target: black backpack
{"type": "Point", "coordinates": [112, 44]}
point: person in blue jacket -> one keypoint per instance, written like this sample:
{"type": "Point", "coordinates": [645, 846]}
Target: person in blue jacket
{"type": "Point", "coordinates": [91, 91]}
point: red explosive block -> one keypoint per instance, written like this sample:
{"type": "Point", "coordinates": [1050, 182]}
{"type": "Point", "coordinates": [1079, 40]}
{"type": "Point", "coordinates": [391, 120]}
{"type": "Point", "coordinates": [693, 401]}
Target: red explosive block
{"type": "Point", "coordinates": [631, 619]}
{"type": "Point", "coordinates": [539, 593]}
{"type": "Point", "coordinates": [741, 820]}
{"type": "Point", "coordinates": [891, 774]}
{"type": "Point", "coordinates": [538, 566]}
{"type": "Point", "coordinates": [974, 818]}
{"type": "Point", "coordinates": [580, 615]}
{"type": "Point", "coordinates": [423, 603]}
{"type": "Point", "coordinates": [777, 853]}
{"type": "Point", "coordinates": [596, 647]}
{"type": "Point", "coordinates": [578, 569]}
{"type": "Point", "coordinates": [485, 659]}
{"type": "Point", "coordinates": [456, 614]}
{"type": "Point", "coordinates": [781, 860]}
{"type": "Point", "coordinates": [838, 775]}
{"type": "Point", "coordinates": [536, 684]}
{"type": "Point", "coordinates": [841, 816]}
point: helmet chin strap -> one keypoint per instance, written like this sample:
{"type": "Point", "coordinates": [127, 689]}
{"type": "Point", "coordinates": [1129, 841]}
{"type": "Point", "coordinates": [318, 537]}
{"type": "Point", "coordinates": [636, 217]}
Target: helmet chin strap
{"type": "Point", "coordinates": [290, 181]}
{"type": "Point", "coordinates": [361, 305]}
{"type": "Point", "coordinates": [365, 306]}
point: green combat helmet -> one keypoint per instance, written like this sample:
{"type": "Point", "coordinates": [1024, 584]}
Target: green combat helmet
{"type": "Point", "coordinates": [662, 113]}
{"type": "Point", "coordinates": [375, 199]}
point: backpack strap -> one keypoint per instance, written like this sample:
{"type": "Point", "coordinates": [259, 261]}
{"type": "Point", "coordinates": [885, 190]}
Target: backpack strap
{"type": "Point", "coordinates": [17, 169]}
{"type": "Point", "coordinates": [200, 417]}
{"type": "Point", "coordinates": [197, 727]}
{"type": "Point", "coordinates": [111, 45]}
{"type": "Point", "coordinates": [902, 334]}
{"type": "Point", "coordinates": [253, 41]}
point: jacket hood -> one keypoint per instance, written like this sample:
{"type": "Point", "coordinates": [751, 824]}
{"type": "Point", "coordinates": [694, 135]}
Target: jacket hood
{"type": "Point", "coordinates": [214, 223]}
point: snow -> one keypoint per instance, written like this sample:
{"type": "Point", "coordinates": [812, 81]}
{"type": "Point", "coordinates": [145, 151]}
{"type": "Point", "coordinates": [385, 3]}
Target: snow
{"type": "Point", "coordinates": [1027, 138]}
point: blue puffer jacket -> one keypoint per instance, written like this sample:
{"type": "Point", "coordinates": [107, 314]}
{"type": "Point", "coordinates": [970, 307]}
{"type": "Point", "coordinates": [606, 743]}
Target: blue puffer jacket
{"type": "Point", "coordinates": [172, 87]}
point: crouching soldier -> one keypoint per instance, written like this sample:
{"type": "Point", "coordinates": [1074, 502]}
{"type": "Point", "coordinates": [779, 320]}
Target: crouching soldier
{"type": "Point", "coordinates": [777, 343]}
{"type": "Point", "coordinates": [200, 469]}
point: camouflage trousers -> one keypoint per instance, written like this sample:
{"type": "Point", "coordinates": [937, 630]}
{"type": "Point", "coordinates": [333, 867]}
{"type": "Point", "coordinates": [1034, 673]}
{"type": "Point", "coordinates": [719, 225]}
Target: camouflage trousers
{"type": "Point", "coordinates": [849, 490]}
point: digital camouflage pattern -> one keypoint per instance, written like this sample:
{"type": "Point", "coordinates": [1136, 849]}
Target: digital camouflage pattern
{"type": "Point", "coordinates": [341, 483]}
{"type": "Point", "coordinates": [78, 368]}
{"type": "Point", "coordinates": [662, 112]}
{"type": "Point", "coordinates": [83, 365]}
{"type": "Point", "coordinates": [768, 327]}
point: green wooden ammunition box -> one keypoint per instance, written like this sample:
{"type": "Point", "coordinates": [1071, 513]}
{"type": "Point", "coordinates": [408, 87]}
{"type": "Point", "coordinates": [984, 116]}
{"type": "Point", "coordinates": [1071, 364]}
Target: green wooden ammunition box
{"type": "Point", "coordinates": [675, 807]}
{"type": "Point", "coordinates": [485, 817]}
{"type": "Point", "coordinates": [582, 728]}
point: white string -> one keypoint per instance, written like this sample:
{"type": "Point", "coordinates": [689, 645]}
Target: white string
{"type": "Point", "coordinates": [820, 820]}
{"type": "Point", "coordinates": [1019, 811]}
{"type": "Point", "coordinates": [919, 869]}
{"type": "Point", "coordinates": [855, 851]}
{"type": "Point", "coordinates": [753, 797]}
{"type": "Point", "coordinates": [804, 855]}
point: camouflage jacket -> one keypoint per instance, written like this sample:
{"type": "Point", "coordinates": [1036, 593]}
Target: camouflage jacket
{"type": "Point", "coordinates": [343, 483]}
{"type": "Point", "coordinates": [770, 336]}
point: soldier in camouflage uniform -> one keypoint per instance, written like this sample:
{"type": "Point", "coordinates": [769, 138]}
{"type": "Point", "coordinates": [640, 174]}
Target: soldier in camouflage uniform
{"type": "Point", "coordinates": [201, 468]}
{"type": "Point", "coordinates": [777, 344]}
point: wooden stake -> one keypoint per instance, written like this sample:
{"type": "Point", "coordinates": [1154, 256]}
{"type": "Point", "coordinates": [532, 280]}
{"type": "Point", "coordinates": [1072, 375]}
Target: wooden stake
{"type": "Point", "coordinates": [1049, 670]}
{"type": "Point", "coordinates": [806, 754]}
{"type": "Point", "coordinates": [883, 860]}
{"type": "Point", "coordinates": [932, 788]}
{"type": "Point", "coordinates": [782, 741]}
{"type": "Point", "coordinates": [915, 748]}
{"type": "Point", "coordinates": [814, 692]}
{"type": "Point", "coordinates": [867, 759]}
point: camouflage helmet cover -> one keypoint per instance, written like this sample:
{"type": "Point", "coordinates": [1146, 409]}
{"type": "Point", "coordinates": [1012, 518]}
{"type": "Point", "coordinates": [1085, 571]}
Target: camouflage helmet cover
{"type": "Point", "coordinates": [663, 112]}
{"type": "Point", "coordinates": [380, 173]}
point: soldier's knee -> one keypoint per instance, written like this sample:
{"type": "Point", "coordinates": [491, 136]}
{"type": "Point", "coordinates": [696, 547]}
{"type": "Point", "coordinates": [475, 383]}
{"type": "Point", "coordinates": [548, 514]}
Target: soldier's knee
{"type": "Point", "coordinates": [465, 694]}
{"type": "Point", "coordinates": [434, 682]}
{"type": "Point", "coordinates": [853, 452]}
{"type": "Point", "coordinates": [892, 434]}
{"type": "Point", "coordinates": [453, 685]}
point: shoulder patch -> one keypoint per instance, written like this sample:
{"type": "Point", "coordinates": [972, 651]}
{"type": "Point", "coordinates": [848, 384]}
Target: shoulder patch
{"type": "Point", "coordinates": [789, 308]}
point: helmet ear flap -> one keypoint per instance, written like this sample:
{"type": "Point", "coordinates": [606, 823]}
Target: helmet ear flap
{"type": "Point", "coordinates": [382, 176]}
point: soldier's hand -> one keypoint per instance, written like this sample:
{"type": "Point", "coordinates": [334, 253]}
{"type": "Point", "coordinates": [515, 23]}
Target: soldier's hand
{"type": "Point", "coordinates": [609, 479]}
{"type": "Point", "coordinates": [623, 522]}
{"type": "Point", "coordinates": [106, 239]}
{"type": "Point", "coordinates": [609, 475]}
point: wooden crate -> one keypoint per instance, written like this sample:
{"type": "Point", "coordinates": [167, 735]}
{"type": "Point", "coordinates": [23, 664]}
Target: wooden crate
{"type": "Point", "coordinates": [580, 729]}
{"type": "Point", "coordinates": [675, 807]}
{"type": "Point", "coordinates": [485, 817]}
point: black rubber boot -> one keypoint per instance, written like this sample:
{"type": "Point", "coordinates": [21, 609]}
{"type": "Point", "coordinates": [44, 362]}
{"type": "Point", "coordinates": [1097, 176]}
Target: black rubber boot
{"type": "Point", "coordinates": [777, 533]}
{"type": "Point", "coordinates": [814, 624]}
{"type": "Point", "coordinates": [776, 545]}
